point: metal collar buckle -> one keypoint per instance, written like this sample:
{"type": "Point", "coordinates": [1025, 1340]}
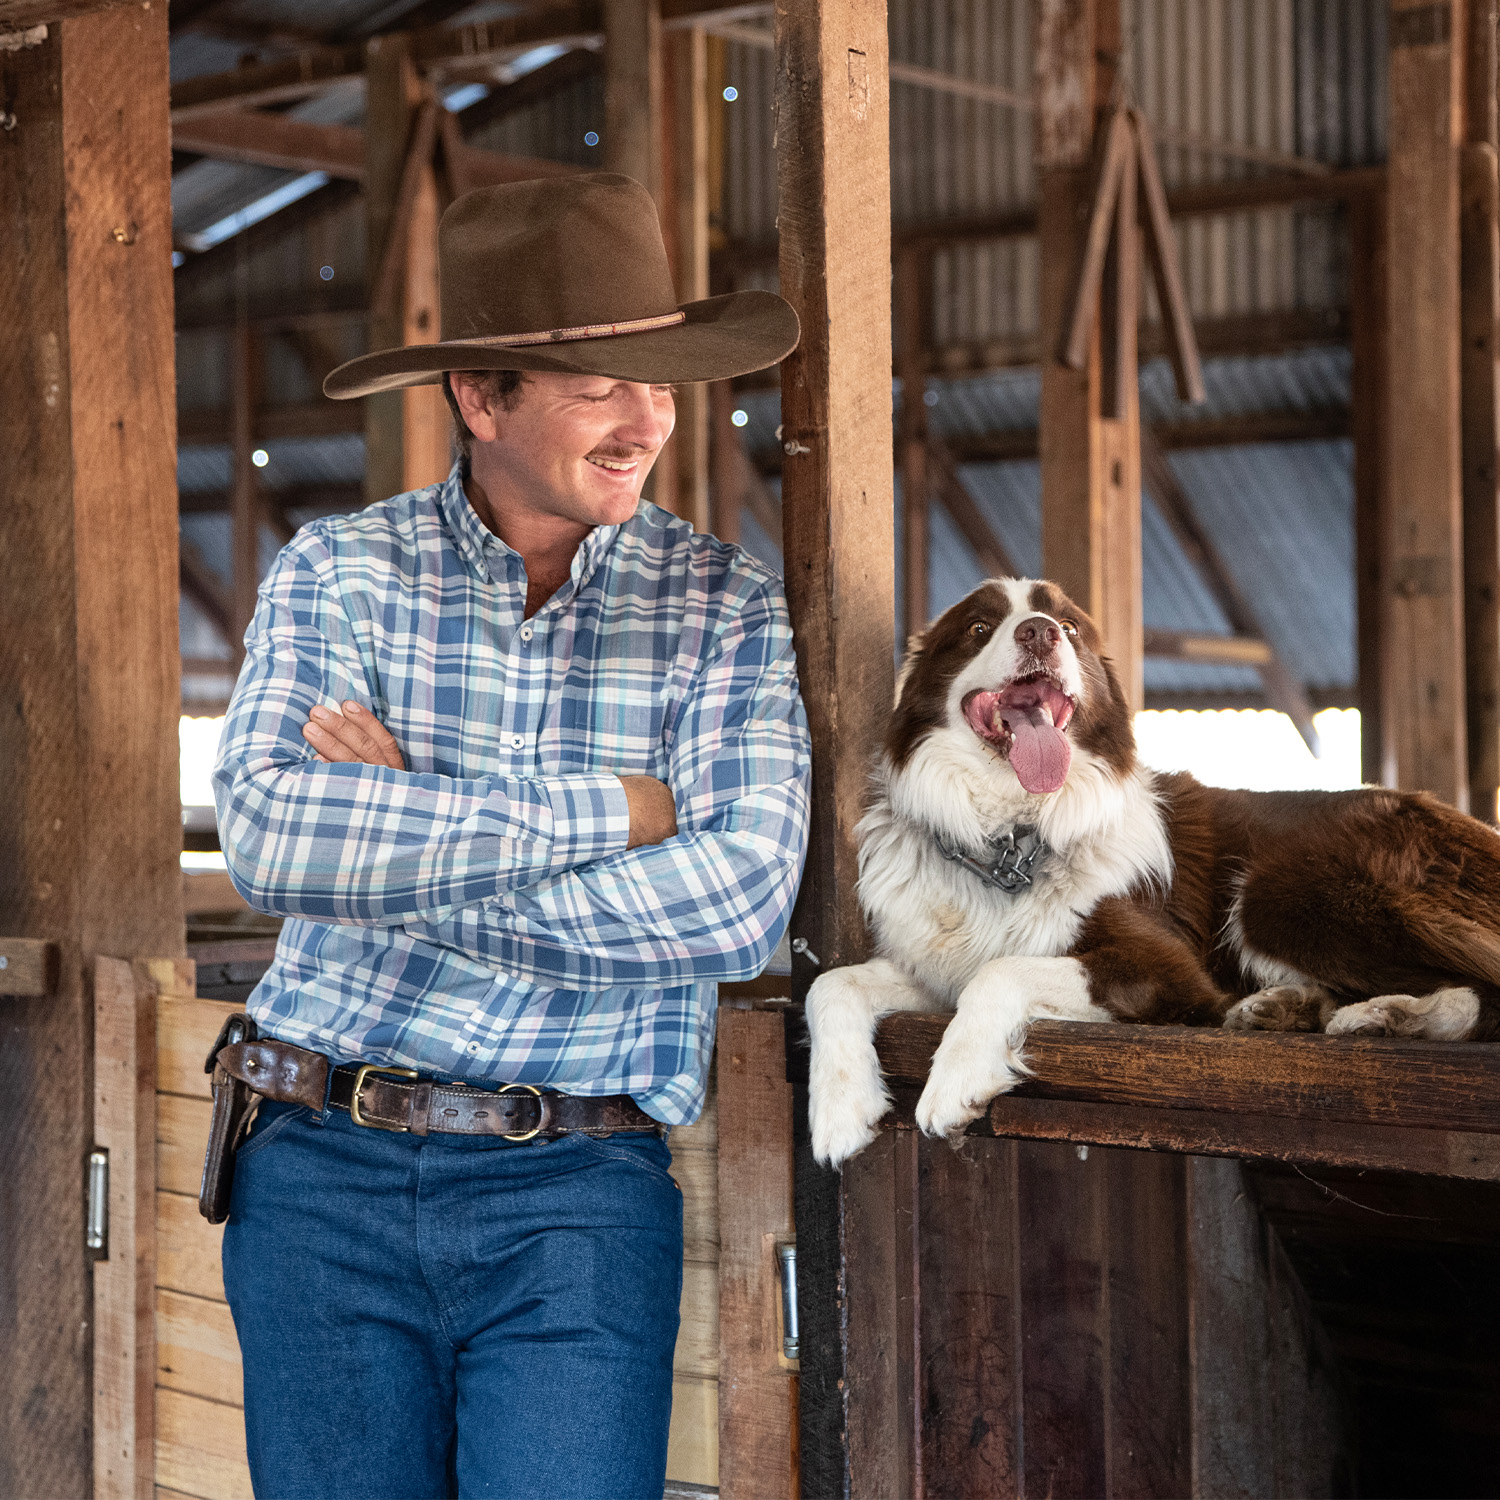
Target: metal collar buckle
{"type": "Point", "coordinates": [1010, 871]}
{"type": "Point", "coordinates": [365, 1070]}
{"type": "Point", "coordinates": [543, 1112]}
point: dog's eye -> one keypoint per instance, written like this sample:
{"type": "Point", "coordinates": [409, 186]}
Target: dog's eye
{"type": "Point", "coordinates": [1069, 629]}
{"type": "Point", "coordinates": [979, 628]}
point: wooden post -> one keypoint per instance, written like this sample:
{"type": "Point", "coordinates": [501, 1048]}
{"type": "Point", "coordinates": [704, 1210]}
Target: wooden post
{"type": "Point", "coordinates": [244, 499]}
{"type": "Point", "coordinates": [125, 1279]}
{"type": "Point", "coordinates": [833, 168]}
{"type": "Point", "coordinates": [89, 827]}
{"type": "Point", "coordinates": [1091, 488]}
{"type": "Point", "coordinates": [686, 61]}
{"type": "Point", "coordinates": [916, 483]}
{"type": "Point", "coordinates": [633, 90]}
{"type": "Point", "coordinates": [1424, 547]}
{"type": "Point", "coordinates": [392, 96]}
{"type": "Point", "coordinates": [1480, 314]}
{"type": "Point", "coordinates": [757, 1385]}
{"type": "Point", "coordinates": [1367, 327]}
{"type": "Point", "coordinates": [426, 427]}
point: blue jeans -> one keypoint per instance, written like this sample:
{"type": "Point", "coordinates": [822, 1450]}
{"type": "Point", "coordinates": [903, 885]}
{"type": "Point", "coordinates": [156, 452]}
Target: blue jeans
{"type": "Point", "coordinates": [454, 1315]}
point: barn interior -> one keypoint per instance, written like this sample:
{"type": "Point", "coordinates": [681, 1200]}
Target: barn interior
{"type": "Point", "coordinates": [1316, 527]}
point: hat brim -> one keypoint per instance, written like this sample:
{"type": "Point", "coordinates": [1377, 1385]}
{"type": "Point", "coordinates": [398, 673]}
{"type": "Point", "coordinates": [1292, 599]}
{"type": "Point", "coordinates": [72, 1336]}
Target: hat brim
{"type": "Point", "coordinates": [720, 337]}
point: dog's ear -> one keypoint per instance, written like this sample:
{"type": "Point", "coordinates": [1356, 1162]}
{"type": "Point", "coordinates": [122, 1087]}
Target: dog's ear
{"type": "Point", "coordinates": [914, 646]}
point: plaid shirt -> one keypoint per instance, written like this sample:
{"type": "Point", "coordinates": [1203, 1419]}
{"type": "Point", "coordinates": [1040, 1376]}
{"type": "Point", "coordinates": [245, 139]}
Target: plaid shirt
{"type": "Point", "coordinates": [477, 915]}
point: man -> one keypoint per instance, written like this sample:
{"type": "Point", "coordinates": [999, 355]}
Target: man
{"type": "Point", "coordinates": [523, 764]}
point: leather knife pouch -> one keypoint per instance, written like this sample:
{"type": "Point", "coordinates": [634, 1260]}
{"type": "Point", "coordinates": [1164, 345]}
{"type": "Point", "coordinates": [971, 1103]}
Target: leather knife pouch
{"type": "Point", "coordinates": [234, 1108]}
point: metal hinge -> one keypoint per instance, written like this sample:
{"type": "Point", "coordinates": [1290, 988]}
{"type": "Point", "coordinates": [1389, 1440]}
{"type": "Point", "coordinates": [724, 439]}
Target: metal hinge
{"type": "Point", "coordinates": [96, 1235]}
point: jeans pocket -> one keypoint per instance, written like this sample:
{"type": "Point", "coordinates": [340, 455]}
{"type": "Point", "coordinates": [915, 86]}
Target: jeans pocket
{"type": "Point", "coordinates": [647, 1151]}
{"type": "Point", "coordinates": [264, 1131]}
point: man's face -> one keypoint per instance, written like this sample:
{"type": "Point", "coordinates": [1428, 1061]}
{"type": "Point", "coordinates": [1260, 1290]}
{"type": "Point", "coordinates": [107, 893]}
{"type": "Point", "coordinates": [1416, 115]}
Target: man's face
{"type": "Point", "coordinates": [577, 447]}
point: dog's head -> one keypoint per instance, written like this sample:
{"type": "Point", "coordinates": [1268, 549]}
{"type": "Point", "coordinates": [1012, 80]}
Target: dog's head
{"type": "Point", "coordinates": [1014, 672]}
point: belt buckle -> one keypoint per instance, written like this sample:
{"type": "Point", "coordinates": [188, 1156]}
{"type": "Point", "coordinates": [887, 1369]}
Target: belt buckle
{"type": "Point", "coordinates": [365, 1069]}
{"type": "Point", "coordinates": [541, 1124]}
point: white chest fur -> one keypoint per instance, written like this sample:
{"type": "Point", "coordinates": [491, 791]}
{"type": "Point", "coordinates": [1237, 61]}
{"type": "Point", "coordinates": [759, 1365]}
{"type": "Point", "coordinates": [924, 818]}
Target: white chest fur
{"type": "Point", "coordinates": [937, 919]}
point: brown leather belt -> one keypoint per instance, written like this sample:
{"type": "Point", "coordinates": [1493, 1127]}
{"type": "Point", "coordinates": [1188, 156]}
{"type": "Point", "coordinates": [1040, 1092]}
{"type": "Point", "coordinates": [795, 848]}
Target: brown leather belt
{"type": "Point", "coordinates": [397, 1099]}
{"type": "Point", "coordinates": [244, 1064]}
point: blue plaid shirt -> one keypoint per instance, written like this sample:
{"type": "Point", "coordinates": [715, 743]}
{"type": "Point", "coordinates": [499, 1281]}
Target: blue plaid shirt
{"type": "Point", "coordinates": [478, 915]}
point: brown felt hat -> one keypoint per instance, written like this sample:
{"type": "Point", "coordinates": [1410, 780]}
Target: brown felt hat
{"type": "Point", "coordinates": [570, 274]}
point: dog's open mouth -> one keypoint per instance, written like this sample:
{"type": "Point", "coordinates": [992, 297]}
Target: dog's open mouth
{"type": "Point", "coordinates": [1025, 720]}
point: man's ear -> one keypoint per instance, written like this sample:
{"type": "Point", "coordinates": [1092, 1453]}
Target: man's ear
{"type": "Point", "coordinates": [479, 414]}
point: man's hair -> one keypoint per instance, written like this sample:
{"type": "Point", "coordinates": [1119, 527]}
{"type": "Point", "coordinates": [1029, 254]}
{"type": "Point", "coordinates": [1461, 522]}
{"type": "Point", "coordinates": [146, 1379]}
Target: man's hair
{"type": "Point", "coordinates": [501, 388]}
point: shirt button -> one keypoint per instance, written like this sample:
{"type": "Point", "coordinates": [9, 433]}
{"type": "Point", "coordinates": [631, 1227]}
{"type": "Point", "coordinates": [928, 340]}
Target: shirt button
{"type": "Point", "coordinates": [518, 742]}
{"type": "Point", "coordinates": [473, 1049]}
{"type": "Point", "coordinates": [526, 632]}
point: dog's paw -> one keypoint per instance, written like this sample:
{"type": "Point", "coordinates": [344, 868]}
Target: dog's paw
{"type": "Point", "coordinates": [1282, 1007]}
{"type": "Point", "coordinates": [965, 1076]}
{"type": "Point", "coordinates": [846, 1100]}
{"type": "Point", "coordinates": [1444, 1016]}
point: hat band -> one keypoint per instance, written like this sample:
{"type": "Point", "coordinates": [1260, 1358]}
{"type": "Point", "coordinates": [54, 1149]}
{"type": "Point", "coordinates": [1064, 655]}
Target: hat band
{"type": "Point", "coordinates": [571, 335]}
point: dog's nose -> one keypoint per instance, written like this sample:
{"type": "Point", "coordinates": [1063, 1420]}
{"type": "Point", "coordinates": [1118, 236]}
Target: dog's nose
{"type": "Point", "coordinates": [1038, 635]}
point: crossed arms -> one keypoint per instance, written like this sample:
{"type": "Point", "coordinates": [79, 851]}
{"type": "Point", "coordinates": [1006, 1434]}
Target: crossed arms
{"type": "Point", "coordinates": [534, 877]}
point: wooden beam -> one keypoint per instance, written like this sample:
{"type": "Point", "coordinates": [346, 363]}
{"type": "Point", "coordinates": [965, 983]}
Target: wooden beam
{"type": "Point", "coordinates": [1225, 650]}
{"type": "Point", "coordinates": [267, 139]}
{"type": "Point", "coordinates": [685, 60]}
{"type": "Point", "coordinates": [393, 99]}
{"type": "Point", "coordinates": [28, 966]}
{"type": "Point", "coordinates": [757, 1384]}
{"type": "Point", "coordinates": [426, 426]}
{"type": "Point", "coordinates": [1479, 310]}
{"type": "Point", "coordinates": [244, 498]}
{"type": "Point", "coordinates": [1091, 516]}
{"type": "Point", "coordinates": [1285, 1075]}
{"type": "Point", "coordinates": [346, 496]}
{"type": "Point", "coordinates": [541, 83]}
{"type": "Point", "coordinates": [633, 90]}
{"type": "Point", "coordinates": [89, 694]}
{"type": "Point", "coordinates": [833, 195]}
{"type": "Point", "coordinates": [1367, 303]}
{"type": "Point", "coordinates": [125, 1276]}
{"type": "Point", "coordinates": [318, 418]}
{"type": "Point", "coordinates": [911, 442]}
{"type": "Point", "coordinates": [966, 514]}
{"type": "Point", "coordinates": [1424, 572]}
{"type": "Point", "coordinates": [1283, 690]}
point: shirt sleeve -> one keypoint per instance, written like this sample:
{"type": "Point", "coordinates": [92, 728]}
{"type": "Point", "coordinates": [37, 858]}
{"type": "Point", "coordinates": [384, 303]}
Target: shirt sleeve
{"type": "Point", "coordinates": [710, 903]}
{"type": "Point", "coordinates": [367, 845]}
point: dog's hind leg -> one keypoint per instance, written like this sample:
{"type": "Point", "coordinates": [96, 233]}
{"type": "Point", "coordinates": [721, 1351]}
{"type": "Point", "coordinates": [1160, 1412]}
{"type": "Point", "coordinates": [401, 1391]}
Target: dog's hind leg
{"type": "Point", "coordinates": [980, 1054]}
{"type": "Point", "coordinates": [846, 1094]}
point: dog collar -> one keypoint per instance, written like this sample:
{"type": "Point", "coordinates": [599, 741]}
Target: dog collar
{"type": "Point", "coordinates": [1013, 866]}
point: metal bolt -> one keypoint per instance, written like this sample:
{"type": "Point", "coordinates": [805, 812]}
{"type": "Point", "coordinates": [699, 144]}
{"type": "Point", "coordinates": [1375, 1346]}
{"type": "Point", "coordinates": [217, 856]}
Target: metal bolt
{"type": "Point", "coordinates": [799, 945]}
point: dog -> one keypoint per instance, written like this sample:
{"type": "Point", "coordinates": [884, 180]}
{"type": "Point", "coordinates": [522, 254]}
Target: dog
{"type": "Point", "coordinates": [1017, 862]}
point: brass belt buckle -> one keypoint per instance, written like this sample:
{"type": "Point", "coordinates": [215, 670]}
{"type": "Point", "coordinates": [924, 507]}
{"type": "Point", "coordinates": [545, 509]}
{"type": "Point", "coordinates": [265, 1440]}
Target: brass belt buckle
{"type": "Point", "coordinates": [541, 1123]}
{"type": "Point", "coordinates": [365, 1070]}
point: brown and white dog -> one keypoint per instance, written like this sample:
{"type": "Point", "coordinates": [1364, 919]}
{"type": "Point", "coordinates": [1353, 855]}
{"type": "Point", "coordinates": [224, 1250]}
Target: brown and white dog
{"type": "Point", "coordinates": [1140, 896]}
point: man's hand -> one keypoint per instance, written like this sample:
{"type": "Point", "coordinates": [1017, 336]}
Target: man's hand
{"type": "Point", "coordinates": [653, 810]}
{"type": "Point", "coordinates": [353, 735]}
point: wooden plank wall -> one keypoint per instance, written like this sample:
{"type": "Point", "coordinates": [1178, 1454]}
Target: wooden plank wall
{"type": "Point", "coordinates": [1091, 1322]}
{"type": "Point", "coordinates": [200, 1440]}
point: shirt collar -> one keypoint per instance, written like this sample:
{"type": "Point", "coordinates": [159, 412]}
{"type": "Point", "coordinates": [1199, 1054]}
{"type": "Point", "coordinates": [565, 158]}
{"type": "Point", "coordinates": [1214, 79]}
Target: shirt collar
{"type": "Point", "coordinates": [476, 543]}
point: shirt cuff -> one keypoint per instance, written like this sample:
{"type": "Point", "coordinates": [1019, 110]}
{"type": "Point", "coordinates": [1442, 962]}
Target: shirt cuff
{"type": "Point", "coordinates": [590, 817]}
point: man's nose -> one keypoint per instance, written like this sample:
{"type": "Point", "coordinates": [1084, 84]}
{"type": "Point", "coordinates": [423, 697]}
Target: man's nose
{"type": "Point", "coordinates": [649, 421]}
{"type": "Point", "coordinates": [1038, 635]}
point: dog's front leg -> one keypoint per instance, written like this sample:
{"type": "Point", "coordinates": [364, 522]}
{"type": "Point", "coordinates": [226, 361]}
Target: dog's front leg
{"type": "Point", "coordinates": [980, 1054]}
{"type": "Point", "coordinates": [846, 1094]}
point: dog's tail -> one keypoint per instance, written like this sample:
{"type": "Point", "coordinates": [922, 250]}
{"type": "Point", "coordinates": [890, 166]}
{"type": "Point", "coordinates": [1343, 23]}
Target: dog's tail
{"type": "Point", "coordinates": [1454, 942]}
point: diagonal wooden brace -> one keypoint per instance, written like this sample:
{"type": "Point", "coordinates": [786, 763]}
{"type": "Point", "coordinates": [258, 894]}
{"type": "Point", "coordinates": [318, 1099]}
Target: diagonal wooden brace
{"type": "Point", "coordinates": [1161, 248]}
{"type": "Point", "coordinates": [1118, 145]}
{"type": "Point", "coordinates": [418, 156]}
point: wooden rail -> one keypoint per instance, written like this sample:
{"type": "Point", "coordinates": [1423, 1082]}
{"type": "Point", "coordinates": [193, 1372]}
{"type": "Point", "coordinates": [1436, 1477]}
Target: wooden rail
{"type": "Point", "coordinates": [28, 966]}
{"type": "Point", "coordinates": [1369, 1102]}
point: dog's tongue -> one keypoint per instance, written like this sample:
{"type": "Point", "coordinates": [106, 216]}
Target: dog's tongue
{"type": "Point", "coordinates": [1040, 753]}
